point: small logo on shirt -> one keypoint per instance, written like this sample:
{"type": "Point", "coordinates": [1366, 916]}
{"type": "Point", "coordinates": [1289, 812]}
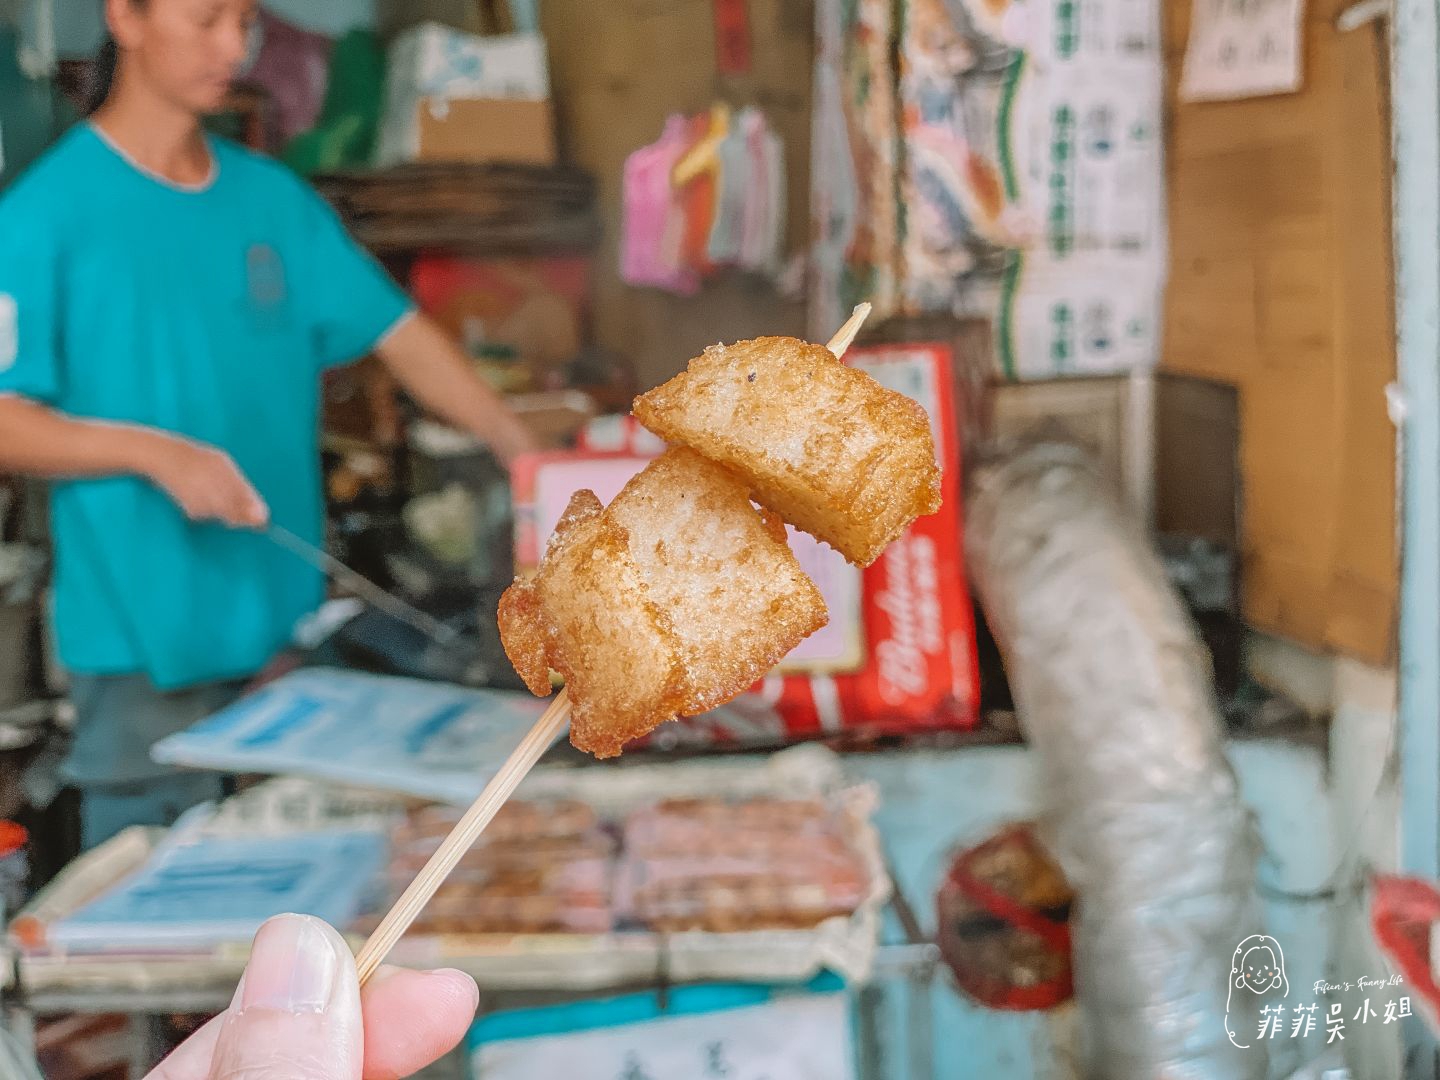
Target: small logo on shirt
{"type": "Point", "coordinates": [265, 273]}
{"type": "Point", "coordinates": [9, 331]}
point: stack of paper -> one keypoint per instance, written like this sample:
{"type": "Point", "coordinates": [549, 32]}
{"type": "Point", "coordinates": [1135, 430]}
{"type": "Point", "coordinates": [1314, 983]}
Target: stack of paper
{"type": "Point", "coordinates": [431, 740]}
{"type": "Point", "coordinates": [201, 891]}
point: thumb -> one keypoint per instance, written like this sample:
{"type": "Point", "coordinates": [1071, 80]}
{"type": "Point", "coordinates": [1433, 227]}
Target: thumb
{"type": "Point", "coordinates": [297, 1016]}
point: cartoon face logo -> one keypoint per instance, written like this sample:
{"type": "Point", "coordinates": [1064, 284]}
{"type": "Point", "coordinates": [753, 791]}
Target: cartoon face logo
{"type": "Point", "coordinates": [1259, 970]}
{"type": "Point", "coordinates": [1257, 966]}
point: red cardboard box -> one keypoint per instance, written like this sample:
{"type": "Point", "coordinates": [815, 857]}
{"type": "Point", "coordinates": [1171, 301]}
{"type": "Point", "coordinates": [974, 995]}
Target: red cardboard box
{"type": "Point", "coordinates": [537, 307]}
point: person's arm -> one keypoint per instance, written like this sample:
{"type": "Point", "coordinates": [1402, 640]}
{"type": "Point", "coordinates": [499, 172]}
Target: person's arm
{"type": "Point", "coordinates": [356, 308]}
{"type": "Point", "coordinates": [38, 441]}
{"type": "Point", "coordinates": [432, 367]}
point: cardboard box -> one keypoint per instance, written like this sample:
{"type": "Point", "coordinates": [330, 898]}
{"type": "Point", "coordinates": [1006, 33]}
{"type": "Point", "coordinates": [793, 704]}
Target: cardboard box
{"type": "Point", "coordinates": [1025, 145]}
{"type": "Point", "coordinates": [453, 96]}
{"type": "Point", "coordinates": [1083, 315]}
{"type": "Point", "coordinates": [485, 129]}
{"type": "Point", "coordinates": [855, 220]}
{"type": "Point", "coordinates": [476, 130]}
{"type": "Point", "coordinates": [537, 307]}
{"type": "Point", "coordinates": [438, 61]}
{"type": "Point", "coordinates": [1090, 146]}
{"type": "Point", "coordinates": [1047, 166]}
{"type": "Point", "coordinates": [1090, 412]}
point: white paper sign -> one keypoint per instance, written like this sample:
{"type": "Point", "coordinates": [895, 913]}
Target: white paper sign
{"type": "Point", "coordinates": [1242, 49]}
{"type": "Point", "coordinates": [430, 740]}
{"type": "Point", "coordinates": [802, 1038]}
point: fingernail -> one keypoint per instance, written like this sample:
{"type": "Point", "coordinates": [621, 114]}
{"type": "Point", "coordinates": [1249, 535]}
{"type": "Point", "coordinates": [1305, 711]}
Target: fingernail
{"type": "Point", "coordinates": [292, 967]}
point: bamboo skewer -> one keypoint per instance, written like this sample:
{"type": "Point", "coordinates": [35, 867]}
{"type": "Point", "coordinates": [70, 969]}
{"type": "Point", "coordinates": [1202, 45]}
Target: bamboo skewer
{"type": "Point", "coordinates": [531, 749]}
{"type": "Point", "coordinates": [845, 336]}
{"type": "Point", "coordinates": [467, 830]}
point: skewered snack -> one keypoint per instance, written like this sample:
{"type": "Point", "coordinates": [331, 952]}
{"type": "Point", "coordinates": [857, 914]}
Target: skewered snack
{"type": "Point", "coordinates": [671, 601]}
{"type": "Point", "coordinates": [823, 445]}
{"type": "Point", "coordinates": [737, 596]}
{"type": "Point", "coordinates": [601, 638]}
{"type": "Point", "coordinates": [587, 615]}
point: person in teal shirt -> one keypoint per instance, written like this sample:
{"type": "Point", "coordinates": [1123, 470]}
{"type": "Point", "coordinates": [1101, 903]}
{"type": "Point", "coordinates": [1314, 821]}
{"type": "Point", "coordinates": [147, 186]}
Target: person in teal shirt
{"type": "Point", "coordinates": [168, 302]}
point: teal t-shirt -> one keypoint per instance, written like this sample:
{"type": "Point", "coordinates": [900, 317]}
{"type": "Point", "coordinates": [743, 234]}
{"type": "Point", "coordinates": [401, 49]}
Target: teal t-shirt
{"type": "Point", "coordinates": [209, 312]}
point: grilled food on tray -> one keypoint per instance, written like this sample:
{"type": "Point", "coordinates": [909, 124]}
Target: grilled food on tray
{"type": "Point", "coordinates": [708, 863]}
{"type": "Point", "coordinates": [823, 445]}
{"type": "Point", "coordinates": [671, 601]}
{"type": "Point", "coordinates": [711, 864]}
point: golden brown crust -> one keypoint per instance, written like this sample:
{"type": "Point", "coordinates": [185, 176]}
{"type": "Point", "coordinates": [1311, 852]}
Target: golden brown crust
{"type": "Point", "coordinates": [523, 635]}
{"type": "Point", "coordinates": [587, 605]}
{"type": "Point", "coordinates": [583, 506]}
{"type": "Point", "coordinates": [774, 524]}
{"type": "Point", "coordinates": [738, 598]}
{"type": "Point", "coordinates": [674, 599]}
{"type": "Point", "coordinates": [614, 647]}
{"type": "Point", "coordinates": [824, 445]}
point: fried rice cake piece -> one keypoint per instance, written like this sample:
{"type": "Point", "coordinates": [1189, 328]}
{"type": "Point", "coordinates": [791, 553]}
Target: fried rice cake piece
{"type": "Point", "coordinates": [737, 597]}
{"type": "Point", "coordinates": [587, 614]}
{"type": "Point", "coordinates": [823, 445]}
{"type": "Point", "coordinates": [671, 601]}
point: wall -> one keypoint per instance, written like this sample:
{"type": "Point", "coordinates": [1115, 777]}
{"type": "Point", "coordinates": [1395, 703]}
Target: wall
{"type": "Point", "coordinates": [618, 70]}
{"type": "Point", "coordinates": [1365, 804]}
{"type": "Point", "coordinates": [327, 16]}
{"type": "Point", "coordinates": [27, 118]}
{"type": "Point", "coordinates": [79, 26]}
{"type": "Point", "coordinates": [1364, 797]}
{"type": "Point", "coordinates": [1281, 286]}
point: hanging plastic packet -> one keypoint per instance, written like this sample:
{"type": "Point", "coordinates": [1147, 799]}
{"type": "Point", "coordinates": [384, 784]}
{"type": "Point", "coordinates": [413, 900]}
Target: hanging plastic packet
{"type": "Point", "coordinates": [696, 176]}
{"type": "Point", "coordinates": [733, 188]}
{"type": "Point", "coordinates": [764, 228]}
{"type": "Point", "coordinates": [650, 212]}
{"type": "Point", "coordinates": [710, 192]}
{"type": "Point", "coordinates": [757, 202]}
{"type": "Point", "coordinates": [677, 222]}
{"type": "Point", "coordinates": [776, 219]}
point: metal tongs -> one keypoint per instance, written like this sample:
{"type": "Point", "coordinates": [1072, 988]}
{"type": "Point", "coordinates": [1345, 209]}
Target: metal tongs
{"type": "Point", "coordinates": [363, 587]}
